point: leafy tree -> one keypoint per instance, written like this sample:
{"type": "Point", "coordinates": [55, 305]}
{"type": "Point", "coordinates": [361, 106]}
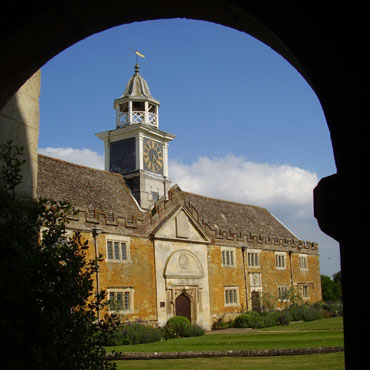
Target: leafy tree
{"type": "Point", "coordinates": [337, 278]}
{"type": "Point", "coordinates": [48, 311]}
{"type": "Point", "coordinates": [331, 289]}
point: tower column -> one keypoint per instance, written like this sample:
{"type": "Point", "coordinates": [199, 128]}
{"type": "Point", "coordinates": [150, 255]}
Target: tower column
{"type": "Point", "coordinates": [129, 118]}
{"type": "Point", "coordinates": [139, 156]}
{"type": "Point", "coordinates": [146, 111]}
{"type": "Point", "coordinates": [165, 160]}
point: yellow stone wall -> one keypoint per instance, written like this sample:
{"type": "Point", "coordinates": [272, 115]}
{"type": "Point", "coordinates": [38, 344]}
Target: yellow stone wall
{"type": "Point", "coordinates": [228, 276]}
{"type": "Point", "coordinates": [225, 276]}
{"type": "Point", "coordinates": [138, 273]}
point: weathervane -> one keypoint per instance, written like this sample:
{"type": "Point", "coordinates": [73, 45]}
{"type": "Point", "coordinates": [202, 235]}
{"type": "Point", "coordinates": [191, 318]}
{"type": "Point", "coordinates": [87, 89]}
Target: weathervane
{"type": "Point", "coordinates": [138, 54]}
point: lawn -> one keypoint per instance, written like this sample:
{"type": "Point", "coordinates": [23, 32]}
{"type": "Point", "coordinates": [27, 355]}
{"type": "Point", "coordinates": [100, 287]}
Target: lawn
{"type": "Point", "coordinates": [332, 361]}
{"type": "Point", "coordinates": [326, 332]}
{"type": "Point", "coordinates": [320, 333]}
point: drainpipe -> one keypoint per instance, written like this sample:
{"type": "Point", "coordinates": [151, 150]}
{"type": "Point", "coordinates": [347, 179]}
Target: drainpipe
{"type": "Point", "coordinates": [245, 279]}
{"type": "Point", "coordinates": [291, 274]}
{"type": "Point", "coordinates": [95, 232]}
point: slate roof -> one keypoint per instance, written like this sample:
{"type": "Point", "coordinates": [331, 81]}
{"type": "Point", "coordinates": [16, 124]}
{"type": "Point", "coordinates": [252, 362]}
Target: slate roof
{"type": "Point", "coordinates": [237, 217]}
{"type": "Point", "coordinates": [84, 186]}
{"type": "Point", "coordinates": [88, 187]}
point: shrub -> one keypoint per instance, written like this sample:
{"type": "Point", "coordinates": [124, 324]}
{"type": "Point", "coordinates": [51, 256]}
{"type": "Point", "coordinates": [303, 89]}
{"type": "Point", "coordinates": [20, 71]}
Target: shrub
{"type": "Point", "coordinates": [250, 319]}
{"type": "Point", "coordinates": [329, 309]}
{"type": "Point", "coordinates": [168, 333]}
{"type": "Point", "coordinates": [220, 323]}
{"type": "Point", "coordinates": [135, 333]}
{"type": "Point", "coordinates": [259, 320]}
{"type": "Point", "coordinates": [303, 313]}
{"type": "Point", "coordinates": [311, 314]}
{"type": "Point", "coordinates": [179, 324]}
{"type": "Point", "coordinates": [194, 330]}
{"type": "Point", "coordinates": [283, 317]}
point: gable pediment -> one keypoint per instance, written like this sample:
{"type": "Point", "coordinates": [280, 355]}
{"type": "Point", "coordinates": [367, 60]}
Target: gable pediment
{"type": "Point", "coordinates": [181, 227]}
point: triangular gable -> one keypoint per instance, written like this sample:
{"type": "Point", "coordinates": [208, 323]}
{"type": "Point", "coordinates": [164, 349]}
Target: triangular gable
{"type": "Point", "coordinates": [180, 226]}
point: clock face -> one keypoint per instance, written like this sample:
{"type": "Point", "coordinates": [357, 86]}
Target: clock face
{"type": "Point", "coordinates": [153, 155]}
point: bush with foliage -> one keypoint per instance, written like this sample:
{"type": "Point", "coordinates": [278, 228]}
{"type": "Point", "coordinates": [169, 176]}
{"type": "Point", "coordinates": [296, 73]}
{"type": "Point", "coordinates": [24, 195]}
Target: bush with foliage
{"type": "Point", "coordinates": [259, 320]}
{"type": "Point", "coordinates": [194, 330]}
{"type": "Point", "coordinates": [178, 324]}
{"type": "Point", "coordinates": [135, 333]}
{"type": "Point", "coordinates": [329, 309]}
{"type": "Point", "coordinates": [48, 310]}
{"type": "Point", "coordinates": [181, 327]}
{"type": "Point", "coordinates": [220, 323]}
{"type": "Point", "coordinates": [303, 313]}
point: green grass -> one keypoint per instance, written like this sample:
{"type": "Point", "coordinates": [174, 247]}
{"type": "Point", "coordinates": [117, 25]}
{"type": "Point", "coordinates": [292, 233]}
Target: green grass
{"type": "Point", "coordinates": [332, 361]}
{"type": "Point", "coordinates": [335, 323]}
{"type": "Point", "coordinates": [320, 333]}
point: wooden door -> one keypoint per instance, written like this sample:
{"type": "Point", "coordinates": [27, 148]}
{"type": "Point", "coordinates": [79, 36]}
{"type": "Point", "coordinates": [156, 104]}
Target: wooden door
{"type": "Point", "coordinates": [182, 305]}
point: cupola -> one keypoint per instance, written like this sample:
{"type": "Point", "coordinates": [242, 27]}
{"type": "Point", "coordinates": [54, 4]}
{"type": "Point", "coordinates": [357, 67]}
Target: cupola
{"type": "Point", "coordinates": [136, 105]}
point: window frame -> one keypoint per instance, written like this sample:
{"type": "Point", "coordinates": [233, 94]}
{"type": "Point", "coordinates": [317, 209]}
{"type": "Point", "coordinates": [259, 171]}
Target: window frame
{"type": "Point", "coordinates": [233, 293]}
{"type": "Point", "coordinates": [120, 247]}
{"type": "Point", "coordinates": [228, 257]}
{"type": "Point", "coordinates": [280, 260]}
{"type": "Point", "coordinates": [255, 258]}
{"type": "Point", "coordinates": [283, 297]}
{"type": "Point", "coordinates": [303, 262]}
{"type": "Point", "coordinates": [123, 293]}
{"type": "Point", "coordinates": [305, 289]}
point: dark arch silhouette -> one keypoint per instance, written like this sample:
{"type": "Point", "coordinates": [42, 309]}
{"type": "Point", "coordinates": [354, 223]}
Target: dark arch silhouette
{"type": "Point", "coordinates": [326, 45]}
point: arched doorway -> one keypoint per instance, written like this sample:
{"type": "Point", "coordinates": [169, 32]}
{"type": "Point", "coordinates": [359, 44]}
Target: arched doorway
{"type": "Point", "coordinates": [183, 306]}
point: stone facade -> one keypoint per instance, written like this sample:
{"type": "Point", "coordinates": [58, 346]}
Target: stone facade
{"type": "Point", "coordinates": [179, 255]}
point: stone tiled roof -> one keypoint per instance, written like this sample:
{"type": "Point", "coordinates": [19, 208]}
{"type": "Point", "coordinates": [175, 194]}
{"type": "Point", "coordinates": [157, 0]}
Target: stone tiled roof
{"type": "Point", "coordinates": [84, 187]}
{"type": "Point", "coordinates": [237, 217]}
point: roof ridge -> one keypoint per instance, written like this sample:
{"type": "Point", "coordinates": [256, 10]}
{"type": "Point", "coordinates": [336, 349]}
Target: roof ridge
{"type": "Point", "coordinates": [225, 201]}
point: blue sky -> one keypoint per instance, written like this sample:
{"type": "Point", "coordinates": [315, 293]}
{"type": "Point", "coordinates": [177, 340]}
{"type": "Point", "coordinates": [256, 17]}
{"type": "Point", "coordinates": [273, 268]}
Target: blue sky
{"type": "Point", "coordinates": [248, 126]}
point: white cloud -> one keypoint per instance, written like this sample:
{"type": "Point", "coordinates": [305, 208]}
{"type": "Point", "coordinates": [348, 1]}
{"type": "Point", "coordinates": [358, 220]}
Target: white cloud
{"type": "Point", "coordinates": [85, 157]}
{"type": "Point", "coordinates": [283, 189]}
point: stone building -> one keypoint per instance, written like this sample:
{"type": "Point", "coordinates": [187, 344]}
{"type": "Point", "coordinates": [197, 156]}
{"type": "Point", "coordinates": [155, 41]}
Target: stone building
{"type": "Point", "coordinates": [166, 251]}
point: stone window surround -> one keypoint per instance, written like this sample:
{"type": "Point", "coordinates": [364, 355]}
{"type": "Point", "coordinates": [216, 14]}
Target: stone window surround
{"type": "Point", "coordinates": [235, 296]}
{"type": "Point", "coordinates": [283, 292]}
{"type": "Point", "coordinates": [305, 292]}
{"type": "Point", "coordinates": [303, 262]}
{"type": "Point", "coordinates": [255, 254]}
{"type": "Point", "coordinates": [228, 255]}
{"type": "Point", "coordinates": [120, 239]}
{"type": "Point", "coordinates": [280, 260]}
{"type": "Point", "coordinates": [130, 291]}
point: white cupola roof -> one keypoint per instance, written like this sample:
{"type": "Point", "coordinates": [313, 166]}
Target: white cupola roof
{"type": "Point", "coordinates": [137, 86]}
{"type": "Point", "coordinates": [136, 105]}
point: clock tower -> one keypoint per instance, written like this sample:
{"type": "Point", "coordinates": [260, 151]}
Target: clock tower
{"type": "Point", "coordinates": [136, 148]}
